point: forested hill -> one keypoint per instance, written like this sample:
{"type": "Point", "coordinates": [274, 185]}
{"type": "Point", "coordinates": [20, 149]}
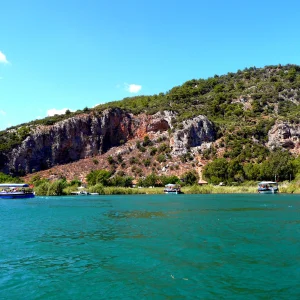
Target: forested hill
{"type": "Point", "coordinates": [271, 91]}
{"type": "Point", "coordinates": [255, 92]}
{"type": "Point", "coordinates": [253, 112]}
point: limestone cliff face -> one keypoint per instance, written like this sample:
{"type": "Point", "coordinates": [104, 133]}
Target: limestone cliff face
{"type": "Point", "coordinates": [89, 135]}
{"type": "Point", "coordinates": [285, 135]}
{"type": "Point", "coordinates": [78, 137]}
{"type": "Point", "coordinates": [194, 133]}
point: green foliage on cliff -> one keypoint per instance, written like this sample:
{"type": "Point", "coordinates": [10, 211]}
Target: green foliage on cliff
{"type": "Point", "coordinates": [243, 106]}
{"type": "Point", "coordinates": [224, 97]}
{"type": "Point", "coordinates": [247, 97]}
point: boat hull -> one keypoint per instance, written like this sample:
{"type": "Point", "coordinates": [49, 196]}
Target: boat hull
{"type": "Point", "coordinates": [172, 192]}
{"type": "Point", "coordinates": [16, 195]}
{"type": "Point", "coordinates": [268, 191]}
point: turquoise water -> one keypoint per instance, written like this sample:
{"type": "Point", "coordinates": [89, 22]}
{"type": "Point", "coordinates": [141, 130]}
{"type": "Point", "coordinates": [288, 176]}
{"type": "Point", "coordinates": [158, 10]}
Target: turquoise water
{"type": "Point", "coordinates": [151, 247]}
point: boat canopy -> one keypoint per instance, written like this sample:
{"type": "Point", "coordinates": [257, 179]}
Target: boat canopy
{"type": "Point", "coordinates": [18, 185]}
{"type": "Point", "coordinates": [171, 185]}
{"type": "Point", "coordinates": [267, 182]}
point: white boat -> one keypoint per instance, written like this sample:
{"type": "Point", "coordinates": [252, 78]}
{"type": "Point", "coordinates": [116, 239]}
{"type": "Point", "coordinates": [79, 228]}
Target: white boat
{"type": "Point", "coordinates": [172, 189]}
{"type": "Point", "coordinates": [80, 193]}
{"type": "Point", "coordinates": [268, 187]}
{"type": "Point", "coordinates": [15, 191]}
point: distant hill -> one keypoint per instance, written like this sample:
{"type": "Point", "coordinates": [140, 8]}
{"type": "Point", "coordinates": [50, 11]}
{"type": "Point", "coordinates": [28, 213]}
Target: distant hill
{"type": "Point", "coordinates": [241, 117]}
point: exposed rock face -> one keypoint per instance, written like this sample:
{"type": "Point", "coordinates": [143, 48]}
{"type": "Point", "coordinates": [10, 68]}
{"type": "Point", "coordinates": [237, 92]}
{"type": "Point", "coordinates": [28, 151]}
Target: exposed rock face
{"type": "Point", "coordinates": [286, 135]}
{"type": "Point", "coordinates": [195, 132]}
{"type": "Point", "coordinates": [89, 135]}
{"type": "Point", "coordinates": [160, 121]}
{"type": "Point", "coordinates": [70, 140]}
{"type": "Point", "coordinates": [80, 137]}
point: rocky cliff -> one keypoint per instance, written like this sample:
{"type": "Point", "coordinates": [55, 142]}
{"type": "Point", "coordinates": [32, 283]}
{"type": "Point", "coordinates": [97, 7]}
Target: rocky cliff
{"type": "Point", "coordinates": [89, 135]}
{"type": "Point", "coordinates": [194, 133]}
{"type": "Point", "coordinates": [70, 140]}
{"type": "Point", "coordinates": [285, 135]}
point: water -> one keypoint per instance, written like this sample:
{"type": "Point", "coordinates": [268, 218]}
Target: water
{"type": "Point", "coordinates": [151, 247]}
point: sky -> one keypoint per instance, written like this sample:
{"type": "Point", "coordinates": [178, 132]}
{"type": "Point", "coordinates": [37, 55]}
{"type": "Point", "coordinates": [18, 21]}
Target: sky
{"type": "Point", "coordinates": [71, 54]}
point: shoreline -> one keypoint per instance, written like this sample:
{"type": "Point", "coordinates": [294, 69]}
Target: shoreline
{"type": "Point", "coordinates": [284, 188]}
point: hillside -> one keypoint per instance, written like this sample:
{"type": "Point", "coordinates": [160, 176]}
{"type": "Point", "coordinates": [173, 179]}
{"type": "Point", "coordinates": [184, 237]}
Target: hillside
{"type": "Point", "coordinates": [239, 120]}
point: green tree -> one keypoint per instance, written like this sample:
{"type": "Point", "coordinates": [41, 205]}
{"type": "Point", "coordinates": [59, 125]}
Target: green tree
{"type": "Point", "coordinates": [98, 176]}
{"type": "Point", "coordinates": [169, 179]}
{"type": "Point", "coordinates": [216, 171]}
{"type": "Point", "coordinates": [150, 180]}
{"type": "Point", "coordinates": [252, 171]}
{"type": "Point", "coordinates": [279, 164]}
{"type": "Point", "coordinates": [190, 177]}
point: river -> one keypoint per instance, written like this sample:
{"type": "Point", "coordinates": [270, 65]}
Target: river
{"type": "Point", "coordinates": [151, 247]}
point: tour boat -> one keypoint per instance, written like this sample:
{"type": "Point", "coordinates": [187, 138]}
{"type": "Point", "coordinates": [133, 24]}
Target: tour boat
{"type": "Point", "coordinates": [268, 187]}
{"type": "Point", "coordinates": [80, 193]}
{"type": "Point", "coordinates": [15, 191]}
{"type": "Point", "coordinates": [172, 189]}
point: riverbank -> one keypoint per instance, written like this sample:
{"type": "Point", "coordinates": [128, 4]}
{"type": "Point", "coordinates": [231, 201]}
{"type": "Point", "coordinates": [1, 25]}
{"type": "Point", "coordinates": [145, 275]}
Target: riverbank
{"type": "Point", "coordinates": [290, 188]}
{"type": "Point", "coordinates": [57, 189]}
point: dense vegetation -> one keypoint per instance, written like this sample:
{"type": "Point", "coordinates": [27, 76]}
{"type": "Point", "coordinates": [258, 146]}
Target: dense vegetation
{"type": "Point", "coordinates": [4, 178]}
{"type": "Point", "coordinates": [243, 106]}
{"type": "Point", "coordinates": [251, 98]}
{"type": "Point", "coordinates": [280, 165]}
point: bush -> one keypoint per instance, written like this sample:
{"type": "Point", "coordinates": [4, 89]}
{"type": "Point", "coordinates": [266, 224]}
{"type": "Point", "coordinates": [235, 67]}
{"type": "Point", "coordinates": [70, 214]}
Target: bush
{"type": "Point", "coordinates": [161, 158]}
{"type": "Point", "coordinates": [110, 160]}
{"type": "Point", "coordinates": [8, 179]}
{"type": "Point", "coordinates": [98, 188]}
{"type": "Point", "coordinates": [56, 188]}
{"type": "Point", "coordinates": [147, 162]}
{"type": "Point", "coordinates": [190, 177]}
{"type": "Point", "coordinates": [98, 176]}
{"type": "Point", "coordinates": [147, 141]}
{"type": "Point", "coordinates": [42, 189]}
{"type": "Point", "coordinates": [133, 160]}
{"type": "Point", "coordinates": [153, 151]}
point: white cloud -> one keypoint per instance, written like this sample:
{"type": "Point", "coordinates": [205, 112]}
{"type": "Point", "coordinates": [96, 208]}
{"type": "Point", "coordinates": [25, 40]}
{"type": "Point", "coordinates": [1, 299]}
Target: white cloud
{"type": "Point", "coordinates": [3, 58]}
{"type": "Point", "coordinates": [96, 105]}
{"type": "Point", "coordinates": [2, 112]}
{"type": "Point", "coordinates": [133, 88]}
{"type": "Point", "coordinates": [53, 111]}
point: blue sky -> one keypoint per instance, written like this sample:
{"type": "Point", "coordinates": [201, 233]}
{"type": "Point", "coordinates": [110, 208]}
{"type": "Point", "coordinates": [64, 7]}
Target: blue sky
{"type": "Point", "coordinates": [73, 53]}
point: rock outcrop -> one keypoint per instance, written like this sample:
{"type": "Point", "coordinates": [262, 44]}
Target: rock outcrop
{"type": "Point", "coordinates": [89, 135]}
{"type": "Point", "coordinates": [194, 133]}
{"type": "Point", "coordinates": [79, 137]}
{"type": "Point", "coordinates": [72, 139]}
{"type": "Point", "coordinates": [285, 135]}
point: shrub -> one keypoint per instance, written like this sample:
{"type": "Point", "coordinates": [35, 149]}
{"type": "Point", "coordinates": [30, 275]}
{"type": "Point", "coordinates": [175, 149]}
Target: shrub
{"type": "Point", "coordinates": [98, 176]}
{"type": "Point", "coordinates": [56, 188]}
{"type": "Point", "coordinates": [133, 160]}
{"type": "Point", "coordinates": [98, 188]}
{"type": "Point", "coordinates": [110, 160]}
{"type": "Point", "coordinates": [161, 158]}
{"type": "Point", "coordinates": [190, 177]}
{"type": "Point", "coordinates": [42, 189]}
{"type": "Point", "coordinates": [119, 158]}
{"type": "Point", "coordinates": [147, 162]}
{"type": "Point", "coordinates": [153, 151]}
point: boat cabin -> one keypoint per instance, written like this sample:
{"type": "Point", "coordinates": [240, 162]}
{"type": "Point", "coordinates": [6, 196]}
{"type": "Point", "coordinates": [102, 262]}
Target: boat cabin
{"type": "Point", "coordinates": [268, 187]}
{"type": "Point", "coordinates": [172, 189]}
{"type": "Point", "coordinates": [15, 191]}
